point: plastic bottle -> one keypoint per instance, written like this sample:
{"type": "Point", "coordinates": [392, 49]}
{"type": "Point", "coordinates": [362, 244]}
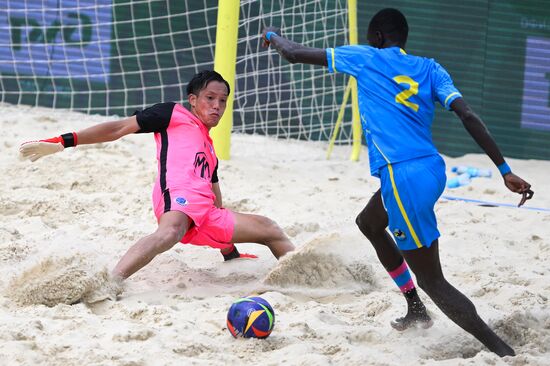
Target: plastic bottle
{"type": "Point", "coordinates": [472, 172]}
{"type": "Point", "coordinates": [459, 181]}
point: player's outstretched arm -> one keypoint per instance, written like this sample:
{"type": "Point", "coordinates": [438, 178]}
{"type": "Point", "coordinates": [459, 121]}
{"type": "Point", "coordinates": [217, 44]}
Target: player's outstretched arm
{"type": "Point", "coordinates": [103, 132]}
{"type": "Point", "coordinates": [479, 132]}
{"type": "Point", "coordinates": [108, 131]}
{"type": "Point", "coordinates": [291, 51]}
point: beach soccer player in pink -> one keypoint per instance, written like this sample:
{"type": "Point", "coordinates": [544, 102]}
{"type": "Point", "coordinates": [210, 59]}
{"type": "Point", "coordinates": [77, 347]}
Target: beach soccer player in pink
{"type": "Point", "coordinates": [187, 198]}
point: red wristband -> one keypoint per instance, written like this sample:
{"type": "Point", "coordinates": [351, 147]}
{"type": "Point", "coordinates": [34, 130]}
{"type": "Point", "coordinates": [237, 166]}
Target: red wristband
{"type": "Point", "coordinates": [54, 140]}
{"type": "Point", "coordinates": [67, 139]}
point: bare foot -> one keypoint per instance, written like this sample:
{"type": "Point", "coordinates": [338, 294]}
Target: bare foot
{"type": "Point", "coordinates": [417, 316]}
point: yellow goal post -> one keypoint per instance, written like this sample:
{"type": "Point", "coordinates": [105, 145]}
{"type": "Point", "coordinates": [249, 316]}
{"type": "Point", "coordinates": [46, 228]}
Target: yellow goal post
{"type": "Point", "coordinates": [225, 59]}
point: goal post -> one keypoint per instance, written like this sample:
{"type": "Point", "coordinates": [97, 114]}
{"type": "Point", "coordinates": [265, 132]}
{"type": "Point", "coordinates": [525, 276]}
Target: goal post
{"type": "Point", "coordinates": [226, 63]}
{"type": "Point", "coordinates": [356, 120]}
{"type": "Point", "coordinates": [225, 59]}
{"type": "Point", "coordinates": [350, 89]}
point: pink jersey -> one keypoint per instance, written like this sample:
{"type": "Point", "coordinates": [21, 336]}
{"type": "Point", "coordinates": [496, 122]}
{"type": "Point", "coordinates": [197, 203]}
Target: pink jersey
{"type": "Point", "coordinates": [187, 161]}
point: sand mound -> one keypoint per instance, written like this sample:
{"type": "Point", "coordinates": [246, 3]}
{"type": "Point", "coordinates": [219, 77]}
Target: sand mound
{"type": "Point", "coordinates": [62, 280]}
{"type": "Point", "coordinates": [314, 265]}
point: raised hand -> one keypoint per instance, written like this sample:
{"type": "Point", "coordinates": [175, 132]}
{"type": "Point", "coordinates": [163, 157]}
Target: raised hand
{"type": "Point", "coordinates": [266, 30]}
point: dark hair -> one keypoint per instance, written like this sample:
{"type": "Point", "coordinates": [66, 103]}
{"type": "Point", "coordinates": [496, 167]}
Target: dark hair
{"type": "Point", "coordinates": [202, 79]}
{"type": "Point", "coordinates": [391, 23]}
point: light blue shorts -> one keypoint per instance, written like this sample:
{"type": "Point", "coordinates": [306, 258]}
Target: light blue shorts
{"type": "Point", "coordinates": [410, 190]}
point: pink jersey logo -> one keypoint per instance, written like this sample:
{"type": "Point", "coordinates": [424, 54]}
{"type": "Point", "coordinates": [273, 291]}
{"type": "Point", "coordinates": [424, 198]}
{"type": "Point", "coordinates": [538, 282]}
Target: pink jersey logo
{"type": "Point", "coordinates": [201, 162]}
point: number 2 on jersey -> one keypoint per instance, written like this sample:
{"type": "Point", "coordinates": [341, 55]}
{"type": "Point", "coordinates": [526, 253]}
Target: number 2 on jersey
{"type": "Point", "coordinates": [406, 94]}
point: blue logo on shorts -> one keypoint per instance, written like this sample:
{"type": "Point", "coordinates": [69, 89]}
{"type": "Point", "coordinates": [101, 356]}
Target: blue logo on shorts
{"type": "Point", "coordinates": [400, 235]}
{"type": "Point", "coordinates": [181, 201]}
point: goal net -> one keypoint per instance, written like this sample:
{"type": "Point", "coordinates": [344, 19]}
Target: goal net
{"type": "Point", "coordinates": [116, 56]}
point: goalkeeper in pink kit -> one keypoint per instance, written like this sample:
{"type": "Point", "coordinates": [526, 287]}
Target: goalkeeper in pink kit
{"type": "Point", "coordinates": [187, 198]}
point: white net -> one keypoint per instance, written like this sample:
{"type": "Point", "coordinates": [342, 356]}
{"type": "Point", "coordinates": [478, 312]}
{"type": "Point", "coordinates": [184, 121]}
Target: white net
{"type": "Point", "coordinates": [292, 101]}
{"type": "Point", "coordinates": [113, 57]}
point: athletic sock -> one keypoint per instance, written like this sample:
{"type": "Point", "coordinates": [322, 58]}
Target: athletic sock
{"type": "Point", "coordinates": [402, 278]}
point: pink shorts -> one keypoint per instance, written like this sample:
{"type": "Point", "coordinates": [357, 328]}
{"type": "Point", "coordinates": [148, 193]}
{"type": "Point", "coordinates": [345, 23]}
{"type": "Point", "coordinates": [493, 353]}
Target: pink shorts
{"type": "Point", "coordinates": [211, 226]}
{"type": "Point", "coordinates": [215, 231]}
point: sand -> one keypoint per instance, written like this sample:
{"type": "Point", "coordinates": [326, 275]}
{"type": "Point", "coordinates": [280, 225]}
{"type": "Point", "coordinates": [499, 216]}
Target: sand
{"type": "Point", "coordinates": [67, 219]}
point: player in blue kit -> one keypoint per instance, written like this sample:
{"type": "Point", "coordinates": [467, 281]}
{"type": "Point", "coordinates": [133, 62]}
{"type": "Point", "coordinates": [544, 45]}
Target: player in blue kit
{"type": "Point", "coordinates": [397, 93]}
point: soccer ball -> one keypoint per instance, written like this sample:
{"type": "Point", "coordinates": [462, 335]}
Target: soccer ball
{"type": "Point", "coordinates": [250, 317]}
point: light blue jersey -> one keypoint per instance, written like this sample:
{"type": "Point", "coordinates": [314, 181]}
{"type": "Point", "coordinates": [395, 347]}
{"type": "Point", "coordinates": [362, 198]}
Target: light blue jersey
{"type": "Point", "coordinates": [397, 93]}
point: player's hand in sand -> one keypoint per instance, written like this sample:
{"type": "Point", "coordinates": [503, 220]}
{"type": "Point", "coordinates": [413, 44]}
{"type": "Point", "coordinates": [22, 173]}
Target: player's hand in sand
{"type": "Point", "coordinates": [518, 185]}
